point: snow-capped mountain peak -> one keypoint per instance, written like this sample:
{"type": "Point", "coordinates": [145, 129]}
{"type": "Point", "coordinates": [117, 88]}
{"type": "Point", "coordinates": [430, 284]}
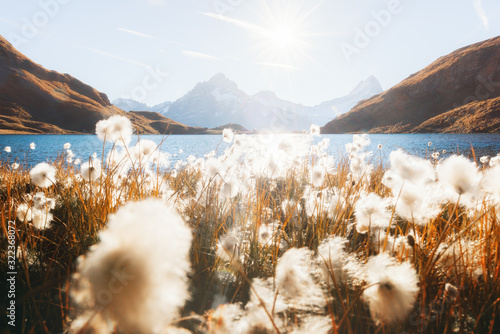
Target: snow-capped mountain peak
{"type": "Point", "coordinates": [219, 101]}
{"type": "Point", "coordinates": [371, 84]}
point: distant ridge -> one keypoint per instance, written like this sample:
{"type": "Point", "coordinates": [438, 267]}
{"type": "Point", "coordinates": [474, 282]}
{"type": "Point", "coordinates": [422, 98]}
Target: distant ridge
{"type": "Point", "coordinates": [458, 93]}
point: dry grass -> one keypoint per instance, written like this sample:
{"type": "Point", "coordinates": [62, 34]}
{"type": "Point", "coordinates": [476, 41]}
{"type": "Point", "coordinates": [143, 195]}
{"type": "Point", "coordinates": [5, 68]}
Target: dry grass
{"type": "Point", "coordinates": [47, 258]}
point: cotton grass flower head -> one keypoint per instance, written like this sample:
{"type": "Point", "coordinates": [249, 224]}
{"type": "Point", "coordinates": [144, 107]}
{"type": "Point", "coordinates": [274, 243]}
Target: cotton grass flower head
{"type": "Point", "coordinates": [23, 212]}
{"type": "Point", "coordinates": [268, 233]}
{"type": "Point", "coordinates": [361, 141]}
{"type": "Point", "coordinates": [7, 149]}
{"type": "Point", "coordinates": [116, 129]}
{"type": "Point", "coordinates": [371, 213]}
{"type": "Point", "coordinates": [416, 203]}
{"type": "Point", "coordinates": [43, 175]}
{"type": "Point", "coordinates": [143, 150]}
{"type": "Point", "coordinates": [67, 146]}
{"type": "Point", "coordinates": [484, 159]}
{"type": "Point", "coordinates": [91, 170]}
{"type": "Point", "coordinates": [315, 130]}
{"type": "Point", "coordinates": [14, 166]}
{"type": "Point", "coordinates": [227, 135]}
{"type": "Point", "coordinates": [392, 289]}
{"type": "Point", "coordinates": [332, 257]}
{"type": "Point", "coordinates": [293, 277]}
{"type": "Point", "coordinates": [230, 188]}
{"type": "Point", "coordinates": [69, 156]}
{"type": "Point", "coordinates": [228, 247]}
{"type": "Point", "coordinates": [136, 282]}
{"type": "Point", "coordinates": [39, 200]}
{"type": "Point", "coordinates": [32, 146]}
{"type": "Point", "coordinates": [494, 161]}
{"type": "Point", "coordinates": [41, 218]}
{"type": "Point", "coordinates": [318, 175]}
{"type": "Point", "coordinates": [410, 168]}
{"type": "Point", "coordinates": [491, 182]}
{"type": "Point", "coordinates": [459, 174]}
{"type": "Point", "coordinates": [213, 167]}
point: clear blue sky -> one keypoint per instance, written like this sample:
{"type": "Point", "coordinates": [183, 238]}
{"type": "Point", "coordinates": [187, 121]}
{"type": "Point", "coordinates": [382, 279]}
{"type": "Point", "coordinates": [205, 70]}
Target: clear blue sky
{"type": "Point", "coordinates": [307, 51]}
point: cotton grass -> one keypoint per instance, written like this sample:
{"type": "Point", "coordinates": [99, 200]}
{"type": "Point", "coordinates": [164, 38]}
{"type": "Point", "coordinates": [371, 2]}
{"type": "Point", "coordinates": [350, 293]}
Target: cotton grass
{"type": "Point", "coordinates": [297, 240]}
{"type": "Point", "coordinates": [137, 281]}
{"type": "Point", "coordinates": [43, 175]}
{"type": "Point", "coordinates": [392, 289]}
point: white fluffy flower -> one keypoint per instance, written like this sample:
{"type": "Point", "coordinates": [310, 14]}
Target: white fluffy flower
{"type": "Point", "coordinates": [318, 175]}
{"type": "Point", "coordinates": [91, 170]}
{"type": "Point", "coordinates": [137, 282]}
{"type": "Point", "coordinates": [228, 247]}
{"type": "Point", "coordinates": [230, 188]}
{"type": "Point", "coordinates": [213, 167]}
{"type": "Point", "coordinates": [43, 175]}
{"type": "Point", "coordinates": [371, 213]}
{"type": "Point", "coordinates": [361, 141]}
{"type": "Point", "coordinates": [115, 129]}
{"type": "Point", "coordinates": [67, 146]}
{"type": "Point", "coordinates": [227, 135]}
{"type": "Point", "coordinates": [23, 213]}
{"type": "Point", "coordinates": [268, 233]}
{"type": "Point", "coordinates": [392, 289]}
{"type": "Point", "coordinates": [459, 174]}
{"type": "Point", "coordinates": [32, 146]}
{"type": "Point", "coordinates": [331, 256]}
{"type": "Point", "coordinates": [69, 156]}
{"type": "Point", "coordinates": [15, 165]}
{"type": "Point", "coordinates": [410, 168]}
{"type": "Point", "coordinates": [41, 218]}
{"type": "Point", "coordinates": [7, 149]}
{"type": "Point", "coordinates": [491, 181]}
{"type": "Point", "coordinates": [416, 204]}
{"type": "Point", "coordinates": [292, 275]}
{"type": "Point", "coordinates": [314, 130]}
{"type": "Point", "coordinates": [143, 150]}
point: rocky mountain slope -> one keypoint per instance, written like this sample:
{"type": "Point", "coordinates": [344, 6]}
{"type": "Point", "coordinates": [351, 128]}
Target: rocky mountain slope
{"type": "Point", "coordinates": [220, 101]}
{"type": "Point", "coordinates": [457, 93]}
{"type": "Point", "coordinates": [36, 100]}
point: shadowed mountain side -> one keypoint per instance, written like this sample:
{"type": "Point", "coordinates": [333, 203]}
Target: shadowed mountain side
{"type": "Point", "coordinates": [36, 100]}
{"type": "Point", "coordinates": [467, 75]}
{"type": "Point", "coordinates": [163, 125]}
{"type": "Point", "coordinates": [475, 117]}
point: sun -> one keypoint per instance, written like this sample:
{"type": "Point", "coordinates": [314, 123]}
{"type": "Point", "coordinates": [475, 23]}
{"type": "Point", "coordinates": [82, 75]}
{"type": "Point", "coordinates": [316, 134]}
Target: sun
{"type": "Point", "coordinates": [283, 36]}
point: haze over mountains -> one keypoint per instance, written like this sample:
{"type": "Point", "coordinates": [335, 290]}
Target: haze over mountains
{"type": "Point", "coordinates": [220, 101]}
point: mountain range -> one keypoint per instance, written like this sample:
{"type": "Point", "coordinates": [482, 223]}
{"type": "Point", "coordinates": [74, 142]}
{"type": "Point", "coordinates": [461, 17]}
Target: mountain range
{"type": "Point", "coordinates": [220, 101]}
{"type": "Point", "coordinates": [458, 93]}
{"type": "Point", "coordinates": [36, 100]}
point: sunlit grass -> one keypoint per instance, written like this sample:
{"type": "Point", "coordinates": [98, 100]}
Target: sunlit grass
{"type": "Point", "coordinates": [271, 251]}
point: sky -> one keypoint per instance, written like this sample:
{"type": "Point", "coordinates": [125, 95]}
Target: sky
{"type": "Point", "coordinates": [306, 51]}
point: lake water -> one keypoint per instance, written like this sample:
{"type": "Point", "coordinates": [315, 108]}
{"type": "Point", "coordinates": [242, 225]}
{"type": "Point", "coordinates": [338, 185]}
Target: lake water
{"type": "Point", "coordinates": [48, 146]}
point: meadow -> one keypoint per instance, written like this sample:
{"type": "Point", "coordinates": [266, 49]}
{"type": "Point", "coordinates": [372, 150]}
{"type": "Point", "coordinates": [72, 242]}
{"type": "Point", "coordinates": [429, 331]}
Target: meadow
{"type": "Point", "coordinates": [269, 236]}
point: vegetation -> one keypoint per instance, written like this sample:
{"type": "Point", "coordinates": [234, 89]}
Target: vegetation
{"type": "Point", "coordinates": [284, 238]}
